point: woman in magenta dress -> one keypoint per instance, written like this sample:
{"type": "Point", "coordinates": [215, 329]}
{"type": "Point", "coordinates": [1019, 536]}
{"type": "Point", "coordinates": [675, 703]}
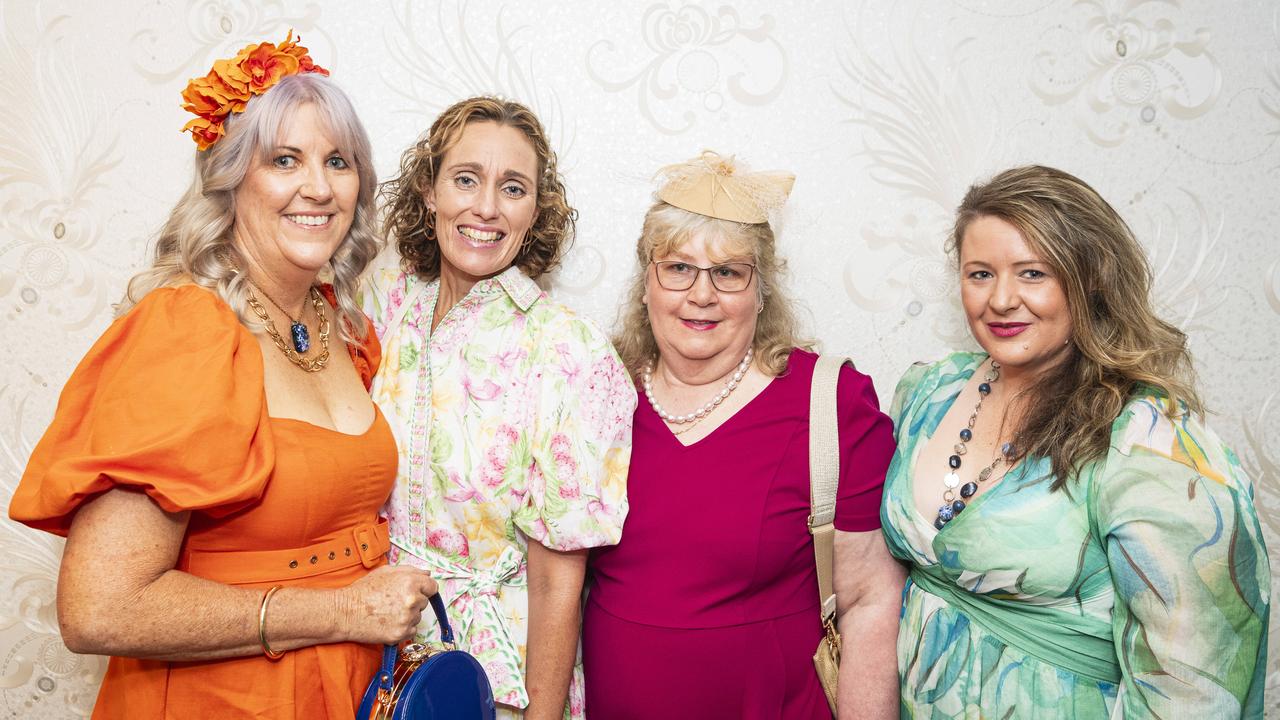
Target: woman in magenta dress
{"type": "Point", "coordinates": [708, 607]}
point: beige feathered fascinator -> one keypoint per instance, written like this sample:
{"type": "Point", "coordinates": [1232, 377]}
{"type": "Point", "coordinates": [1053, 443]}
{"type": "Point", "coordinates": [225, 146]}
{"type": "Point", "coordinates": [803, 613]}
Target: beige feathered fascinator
{"type": "Point", "coordinates": [714, 185]}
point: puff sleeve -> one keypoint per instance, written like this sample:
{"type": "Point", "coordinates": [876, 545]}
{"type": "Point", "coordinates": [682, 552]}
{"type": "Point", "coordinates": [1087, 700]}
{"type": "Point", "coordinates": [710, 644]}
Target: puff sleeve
{"type": "Point", "coordinates": [580, 444]}
{"type": "Point", "coordinates": [1176, 515]}
{"type": "Point", "coordinates": [170, 402]}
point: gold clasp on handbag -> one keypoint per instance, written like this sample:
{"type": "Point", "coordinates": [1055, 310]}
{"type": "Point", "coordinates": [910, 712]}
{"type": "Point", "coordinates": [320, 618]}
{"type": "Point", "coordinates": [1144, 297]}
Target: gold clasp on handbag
{"type": "Point", "coordinates": [833, 635]}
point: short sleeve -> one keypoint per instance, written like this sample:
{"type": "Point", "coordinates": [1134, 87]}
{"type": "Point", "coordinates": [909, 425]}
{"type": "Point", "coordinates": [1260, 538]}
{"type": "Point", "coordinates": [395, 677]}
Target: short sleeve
{"type": "Point", "coordinates": [903, 393]}
{"type": "Point", "coordinates": [866, 448]}
{"type": "Point", "coordinates": [580, 446]}
{"type": "Point", "coordinates": [170, 402]}
{"type": "Point", "coordinates": [1176, 516]}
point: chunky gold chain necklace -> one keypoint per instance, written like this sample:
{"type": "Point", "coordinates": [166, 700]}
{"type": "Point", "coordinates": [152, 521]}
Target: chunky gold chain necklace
{"type": "Point", "coordinates": [302, 341]}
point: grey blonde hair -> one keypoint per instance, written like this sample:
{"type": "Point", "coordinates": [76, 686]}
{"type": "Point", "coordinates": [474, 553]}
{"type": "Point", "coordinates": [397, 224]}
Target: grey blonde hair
{"type": "Point", "coordinates": [196, 241]}
{"type": "Point", "coordinates": [666, 228]}
{"type": "Point", "coordinates": [1118, 344]}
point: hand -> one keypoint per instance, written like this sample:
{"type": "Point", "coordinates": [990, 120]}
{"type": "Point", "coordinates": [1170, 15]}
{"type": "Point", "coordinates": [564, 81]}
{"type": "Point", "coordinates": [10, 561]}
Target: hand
{"type": "Point", "coordinates": [385, 606]}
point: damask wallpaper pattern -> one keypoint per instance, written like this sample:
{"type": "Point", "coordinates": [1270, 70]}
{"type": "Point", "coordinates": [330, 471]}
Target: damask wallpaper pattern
{"type": "Point", "coordinates": [886, 111]}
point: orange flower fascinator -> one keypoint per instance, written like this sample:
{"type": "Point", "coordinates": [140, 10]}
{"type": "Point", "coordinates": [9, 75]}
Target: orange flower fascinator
{"type": "Point", "coordinates": [229, 85]}
{"type": "Point", "coordinates": [714, 185]}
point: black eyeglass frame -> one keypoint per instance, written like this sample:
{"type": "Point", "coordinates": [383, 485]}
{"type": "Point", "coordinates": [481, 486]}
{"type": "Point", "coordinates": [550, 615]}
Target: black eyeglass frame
{"type": "Point", "coordinates": [657, 268]}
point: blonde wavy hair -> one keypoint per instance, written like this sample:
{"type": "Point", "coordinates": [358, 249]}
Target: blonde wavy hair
{"type": "Point", "coordinates": [667, 228]}
{"type": "Point", "coordinates": [412, 226]}
{"type": "Point", "coordinates": [196, 242]}
{"type": "Point", "coordinates": [1118, 344]}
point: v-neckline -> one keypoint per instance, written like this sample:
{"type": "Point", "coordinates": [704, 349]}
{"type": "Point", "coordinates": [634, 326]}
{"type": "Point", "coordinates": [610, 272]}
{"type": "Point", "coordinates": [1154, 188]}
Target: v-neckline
{"type": "Point", "coordinates": [918, 447]}
{"type": "Point", "coordinates": [702, 440]}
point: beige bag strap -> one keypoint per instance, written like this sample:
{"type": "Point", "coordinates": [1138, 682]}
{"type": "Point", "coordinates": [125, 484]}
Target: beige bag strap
{"type": "Point", "coordinates": [824, 473]}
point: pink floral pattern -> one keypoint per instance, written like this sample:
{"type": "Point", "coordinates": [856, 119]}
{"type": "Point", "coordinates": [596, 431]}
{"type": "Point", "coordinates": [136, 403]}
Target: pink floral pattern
{"type": "Point", "coordinates": [513, 421]}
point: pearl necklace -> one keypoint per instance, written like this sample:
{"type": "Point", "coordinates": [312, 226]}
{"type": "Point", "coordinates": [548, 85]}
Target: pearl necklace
{"type": "Point", "coordinates": [646, 377]}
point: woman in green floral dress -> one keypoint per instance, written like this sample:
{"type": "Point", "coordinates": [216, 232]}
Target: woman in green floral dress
{"type": "Point", "coordinates": [1081, 544]}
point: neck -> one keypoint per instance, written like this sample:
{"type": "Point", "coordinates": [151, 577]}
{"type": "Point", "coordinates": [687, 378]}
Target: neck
{"type": "Point", "coordinates": [684, 374]}
{"type": "Point", "coordinates": [287, 287]}
{"type": "Point", "coordinates": [453, 288]}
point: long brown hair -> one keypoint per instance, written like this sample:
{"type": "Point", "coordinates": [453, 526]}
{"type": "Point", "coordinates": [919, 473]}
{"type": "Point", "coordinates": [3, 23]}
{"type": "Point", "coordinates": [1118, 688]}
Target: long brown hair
{"type": "Point", "coordinates": [1117, 342]}
{"type": "Point", "coordinates": [411, 225]}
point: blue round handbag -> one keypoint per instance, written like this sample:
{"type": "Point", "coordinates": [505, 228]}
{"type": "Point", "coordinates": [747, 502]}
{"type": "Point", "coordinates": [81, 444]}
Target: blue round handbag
{"type": "Point", "coordinates": [423, 683]}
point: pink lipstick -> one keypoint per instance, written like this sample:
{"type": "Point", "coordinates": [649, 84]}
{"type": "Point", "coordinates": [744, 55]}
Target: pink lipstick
{"type": "Point", "coordinates": [1005, 330]}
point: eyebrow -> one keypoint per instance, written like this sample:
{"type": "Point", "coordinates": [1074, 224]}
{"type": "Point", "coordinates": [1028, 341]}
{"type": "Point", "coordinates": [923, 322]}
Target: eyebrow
{"type": "Point", "coordinates": [1015, 263]}
{"type": "Point", "coordinates": [477, 168]}
{"type": "Point", "coordinates": [298, 151]}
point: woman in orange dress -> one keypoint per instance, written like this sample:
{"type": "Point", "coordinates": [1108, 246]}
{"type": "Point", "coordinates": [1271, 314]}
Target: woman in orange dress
{"type": "Point", "coordinates": [218, 482]}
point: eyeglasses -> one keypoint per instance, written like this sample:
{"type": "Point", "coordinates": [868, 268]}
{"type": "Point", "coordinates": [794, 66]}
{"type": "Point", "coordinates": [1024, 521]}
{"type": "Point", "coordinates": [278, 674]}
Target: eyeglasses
{"type": "Point", "coordinates": [729, 277]}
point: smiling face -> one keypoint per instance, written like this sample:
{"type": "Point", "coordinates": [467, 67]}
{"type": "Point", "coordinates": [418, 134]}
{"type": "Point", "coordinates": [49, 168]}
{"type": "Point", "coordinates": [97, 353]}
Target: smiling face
{"type": "Point", "coordinates": [1016, 307]}
{"type": "Point", "coordinates": [485, 200]}
{"type": "Point", "coordinates": [294, 208]}
{"type": "Point", "coordinates": [702, 323]}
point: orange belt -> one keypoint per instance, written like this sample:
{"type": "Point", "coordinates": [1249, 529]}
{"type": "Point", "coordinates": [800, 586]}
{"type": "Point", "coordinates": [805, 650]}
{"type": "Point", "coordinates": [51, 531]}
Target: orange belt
{"type": "Point", "coordinates": [365, 544]}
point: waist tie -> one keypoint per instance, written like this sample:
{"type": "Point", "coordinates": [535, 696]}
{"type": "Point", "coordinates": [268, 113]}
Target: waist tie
{"type": "Point", "coordinates": [1082, 645]}
{"type": "Point", "coordinates": [364, 544]}
{"type": "Point", "coordinates": [471, 595]}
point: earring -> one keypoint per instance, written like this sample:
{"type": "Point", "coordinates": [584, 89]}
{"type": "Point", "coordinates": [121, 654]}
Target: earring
{"type": "Point", "coordinates": [760, 309]}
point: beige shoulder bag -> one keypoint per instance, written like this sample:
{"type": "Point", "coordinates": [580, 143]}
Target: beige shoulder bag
{"type": "Point", "coordinates": [824, 472]}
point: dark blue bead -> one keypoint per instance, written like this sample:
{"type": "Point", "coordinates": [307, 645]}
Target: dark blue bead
{"type": "Point", "coordinates": [966, 435]}
{"type": "Point", "coordinates": [954, 461]}
{"type": "Point", "coordinates": [945, 513]}
{"type": "Point", "coordinates": [301, 338]}
{"type": "Point", "coordinates": [968, 489]}
{"type": "Point", "coordinates": [939, 523]}
{"type": "Point", "coordinates": [957, 506]}
{"type": "Point", "coordinates": [984, 388]}
{"type": "Point", "coordinates": [1007, 450]}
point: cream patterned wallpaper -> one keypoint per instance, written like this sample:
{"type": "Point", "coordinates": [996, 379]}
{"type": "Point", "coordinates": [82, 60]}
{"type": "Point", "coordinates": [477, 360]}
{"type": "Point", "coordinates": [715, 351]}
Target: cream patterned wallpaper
{"type": "Point", "coordinates": [885, 110]}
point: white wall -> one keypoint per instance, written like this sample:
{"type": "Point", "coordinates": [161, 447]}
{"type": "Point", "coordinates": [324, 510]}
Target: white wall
{"type": "Point", "coordinates": [886, 111]}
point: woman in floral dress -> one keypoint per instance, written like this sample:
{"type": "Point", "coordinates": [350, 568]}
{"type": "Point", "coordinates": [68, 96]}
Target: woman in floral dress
{"type": "Point", "coordinates": [1082, 544]}
{"type": "Point", "coordinates": [512, 415]}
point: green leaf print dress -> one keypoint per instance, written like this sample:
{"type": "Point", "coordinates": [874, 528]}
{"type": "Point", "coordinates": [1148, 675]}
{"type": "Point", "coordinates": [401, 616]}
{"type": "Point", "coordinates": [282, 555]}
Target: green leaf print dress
{"type": "Point", "coordinates": [1141, 590]}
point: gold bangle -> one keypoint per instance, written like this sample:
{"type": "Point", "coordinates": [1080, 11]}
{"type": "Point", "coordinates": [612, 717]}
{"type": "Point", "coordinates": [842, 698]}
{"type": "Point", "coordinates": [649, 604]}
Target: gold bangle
{"type": "Point", "coordinates": [262, 626]}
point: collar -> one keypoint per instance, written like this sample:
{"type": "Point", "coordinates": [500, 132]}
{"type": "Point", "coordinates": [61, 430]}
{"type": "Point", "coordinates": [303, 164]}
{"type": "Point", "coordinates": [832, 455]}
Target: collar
{"type": "Point", "coordinates": [523, 291]}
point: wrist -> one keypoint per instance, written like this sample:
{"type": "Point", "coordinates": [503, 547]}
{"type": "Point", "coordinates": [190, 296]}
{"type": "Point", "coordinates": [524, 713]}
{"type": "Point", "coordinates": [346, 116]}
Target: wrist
{"type": "Point", "coordinates": [339, 629]}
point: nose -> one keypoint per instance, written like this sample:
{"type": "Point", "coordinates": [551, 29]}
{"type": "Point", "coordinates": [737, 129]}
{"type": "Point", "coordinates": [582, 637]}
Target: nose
{"type": "Point", "coordinates": [702, 293]}
{"type": "Point", "coordinates": [316, 187]}
{"type": "Point", "coordinates": [1004, 295]}
{"type": "Point", "coordinates": [486, 206]}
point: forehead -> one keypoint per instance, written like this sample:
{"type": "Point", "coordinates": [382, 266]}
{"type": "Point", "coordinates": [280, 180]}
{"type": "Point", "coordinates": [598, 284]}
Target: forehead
{"type": "Point", "coordinates": [705, 244]}
{"type": "Point", "coordinates": [304, 123]}
{"type": "Point", "coordinates": [992, 240]}
{"type": "Point", "coordinates": [494, 146]}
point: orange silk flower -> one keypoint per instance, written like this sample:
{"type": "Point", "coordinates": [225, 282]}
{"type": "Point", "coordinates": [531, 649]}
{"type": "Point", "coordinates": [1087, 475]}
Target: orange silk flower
{"type": "Point", "coordinates": [232, 82]}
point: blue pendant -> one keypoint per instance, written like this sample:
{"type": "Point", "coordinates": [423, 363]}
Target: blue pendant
{"type": "Point", "coordinates": [301, 338]}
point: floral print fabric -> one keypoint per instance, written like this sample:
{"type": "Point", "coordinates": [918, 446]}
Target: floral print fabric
{"type": "Point", "coordinates": [513, 422]}
{"type": "Point", "coordinates": [1157, 547]}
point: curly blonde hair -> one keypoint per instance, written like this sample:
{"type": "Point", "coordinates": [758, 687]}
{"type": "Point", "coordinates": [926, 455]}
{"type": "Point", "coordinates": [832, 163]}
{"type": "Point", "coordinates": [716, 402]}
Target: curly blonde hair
{"type": "Point", "coordinates": [196, 241]}
{"type": "Point", "coordinates": [411, 225]}
{"type": "Point", "coordinates": [1118, 344]}
{"type": "Point", "coordinates": [666, 228]}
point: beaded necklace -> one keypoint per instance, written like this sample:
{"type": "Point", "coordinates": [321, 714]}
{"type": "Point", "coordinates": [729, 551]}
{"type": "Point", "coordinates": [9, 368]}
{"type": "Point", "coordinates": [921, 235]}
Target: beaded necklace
{"type": "Point", "coordinates": [952, 506]}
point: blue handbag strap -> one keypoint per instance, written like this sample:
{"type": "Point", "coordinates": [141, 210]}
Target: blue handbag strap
{"type": "Point", "coordinates": [391, 652]}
